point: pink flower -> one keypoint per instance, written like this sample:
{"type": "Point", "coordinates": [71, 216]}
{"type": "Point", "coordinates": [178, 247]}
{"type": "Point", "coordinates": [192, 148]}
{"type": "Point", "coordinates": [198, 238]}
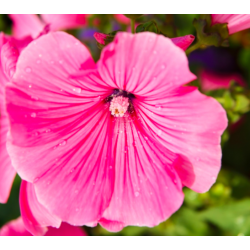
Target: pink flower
{"type": "Point", "coordinates": [10, 49]}
{"type": "Point", "coordinates": [212, 81]}
{"type": "Point", "coordinates": [16, 228]}
{"type": "Point", "coordinates": [122, 19]}
{"type": "Point", "coordinates": [31, 24]}
{"type": "Point", "coordinates": [236, 22]}
{"type": "Point", "coordinates": [89, 166]}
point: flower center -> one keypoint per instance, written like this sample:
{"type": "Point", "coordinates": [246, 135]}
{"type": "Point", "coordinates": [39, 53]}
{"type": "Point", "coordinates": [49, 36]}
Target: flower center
{"type": "Point", "coordinates": [119, 106]}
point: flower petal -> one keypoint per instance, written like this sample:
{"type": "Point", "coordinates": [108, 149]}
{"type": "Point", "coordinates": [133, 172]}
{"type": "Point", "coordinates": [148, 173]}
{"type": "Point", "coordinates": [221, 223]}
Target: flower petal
{"type": "Point", "coordinates": [144, 64]}
{"type": "Point", "coordinates": [64, 21]}
{"type": "Point", "coordinates": [35, 216]}
{"type": "Point", "coordinates": [7, 172]}
{"type": "Point", "coordinates": [183, 41]}
{"type": "Point", "coordinates": [147, 189]}
{"type": "Point", "coordinates": [16, 228]}
{"type": "Point", "coordinates": [26, 25]}
{"type": "Point", "coordinates": [236, 22]}
{"type": "Point", "coordinates": [188, 123]}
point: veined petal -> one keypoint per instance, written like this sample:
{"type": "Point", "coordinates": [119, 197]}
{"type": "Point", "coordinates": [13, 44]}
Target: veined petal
{"type": "Point", "coordinates": [35, 216]}
{"type": "Point", "coordinates": [190, 124]}
{"type": "Point", "coordinates": [147, 189]}
{"type": "Point", "coordinates": [145, 64]}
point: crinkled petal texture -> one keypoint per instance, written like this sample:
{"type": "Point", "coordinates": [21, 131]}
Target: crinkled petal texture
{"type": "Point", "coordinates": [64, 21]}
{"type": "Point", "coordinates": [7, 172]}
{"type": "Point", "coordinates": [183, 41]}
{"type": "Point", "coordinates": [17, 228]}
{"type": "Point", "coordinates": [26, 24]}
{"type": "Point", "coordinates": [35, 216]}
{"type": "Point", "coordinates": [236, 22]}
{"type": "Point", "coordinates": [212, 81]}
{"type": "Point", "coordinates": [88, 166]}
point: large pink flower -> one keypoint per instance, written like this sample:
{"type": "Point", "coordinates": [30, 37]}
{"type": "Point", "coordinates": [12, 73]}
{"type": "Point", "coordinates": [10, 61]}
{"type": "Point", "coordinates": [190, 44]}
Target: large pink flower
{"type": "Point", "coordinates": [115, 142]}
{"type": "Point", "coordinates": [16, 228]}
{"type": "Point", "coordinates": [10, 49]}
{"type": "Point", "coordinates": [31, 24]}
{"type": "Point", "coordinates": [236, 22]}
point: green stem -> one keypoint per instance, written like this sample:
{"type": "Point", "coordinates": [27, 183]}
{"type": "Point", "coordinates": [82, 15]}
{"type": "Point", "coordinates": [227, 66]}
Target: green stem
{"type": "Point", "coordinates": [193, 47]}
{"type": "Point", "coordinates": [132, 22]}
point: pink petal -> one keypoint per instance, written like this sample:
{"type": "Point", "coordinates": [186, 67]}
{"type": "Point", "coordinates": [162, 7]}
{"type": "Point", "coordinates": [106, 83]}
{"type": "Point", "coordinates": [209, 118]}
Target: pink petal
{"type": "Point", "coordinates": [66, 230]}
{"type": "Point", "coordinates": [65, 21]}
{"type": "Point", "coordinates": [35, 216]}
{"type": "Point", "coordinates": [16, 228]}
{"type": "Point", "coordinates": [212, 81]}
{"type": "Point", "coordinates": [26, 24]}
{"type": "Point", "coordinates": [236, 22]}
{"type": "Point", "coordinates": [122, 19]}
{"type": "Point", "coordinates": [183, 41]}
{"type": "Point", "coordinates": [50, 109]}
{"type": "Point", "coordinates": [147, 189]}
{"type": "Point", "coordinates": [7, 172]}
{"type": "Point", "coordinates": [188, 123]}
{"type": "Point", "coordinates": [137, 64]}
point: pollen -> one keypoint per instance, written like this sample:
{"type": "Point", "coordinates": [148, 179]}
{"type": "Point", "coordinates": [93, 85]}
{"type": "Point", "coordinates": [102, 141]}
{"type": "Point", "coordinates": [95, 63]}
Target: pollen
{"type": "Point", "coordinates": [119, 106]}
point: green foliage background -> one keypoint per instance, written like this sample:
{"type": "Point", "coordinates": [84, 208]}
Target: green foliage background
{"type": "Point", "coordinates": [225, 208]}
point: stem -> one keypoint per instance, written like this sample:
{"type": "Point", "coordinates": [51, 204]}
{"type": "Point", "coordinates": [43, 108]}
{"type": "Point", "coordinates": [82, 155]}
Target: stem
{"type": "Point", "coordinates": [193, 47]}
{"type": "Point", "coordinates": [132, 22]}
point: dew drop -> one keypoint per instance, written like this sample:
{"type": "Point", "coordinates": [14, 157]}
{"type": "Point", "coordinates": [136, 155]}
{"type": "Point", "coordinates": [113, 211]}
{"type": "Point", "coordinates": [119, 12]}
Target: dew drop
{"type": "Point", "coordinates": [38, 61]}
{"type": "Point", "coordinates": [158, 107]}
{"type": "Point", "coordinates": [48, 182]}
{"type": "Point", "coordinates": [47, 130]}
{"type": "Point", "coordinates": [28, 70]}
{"type": "Point", "coordinates": [146, 138]}
{"type": "Point", "coordinates": [137, 194]}
{"type": "Point", "coordinates": [62, 143]}
{"type": "Point", "coordinates": [61, 61]}
{"type": "Point", "coordinates": [33, 115]}
{"type": "Point", "coordinates": [77, 209]}
{"type": "Point", "coordinates": [30, 86]}
{"type": "Point", "coordinates": [110, 167]}
{"type": "Point", "coordinates": [34, 98]}
{"type": "Point", "coordinates": [213, 178]}
{"type": "Point", "coordinates": [76, 191]}
{"type": "Point", "coordinates": [40, 55]}
{"type": "Point", "coordinates": [175, 181]}
{"type": "Point", "coordinates": [155, 52]}
{"type": "Point", "coordinates": [163, 66]}
{"type": "Point", "coordinates": [159, 132]}
{"type": "Point", "coordinates": [77, 90]}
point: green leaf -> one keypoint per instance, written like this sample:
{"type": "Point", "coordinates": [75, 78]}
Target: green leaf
{"type": "Point", "coordinates": [148, 26]}
{"type": "Point", "coordinates": [233, 218]}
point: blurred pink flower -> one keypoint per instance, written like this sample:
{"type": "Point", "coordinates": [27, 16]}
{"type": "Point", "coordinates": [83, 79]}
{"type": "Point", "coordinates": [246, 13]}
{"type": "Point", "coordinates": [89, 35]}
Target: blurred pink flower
{"type": "Point", "coordinates": [89, 166]}
{"type": "Point", "coordinates": [236, 22]}
{"type": "Point", "coordinates": [10, 49]}
{"type": "Point", "coordinates": [122, 19]}
{"type": "Point", "coordinates": [212, 81]}
{"type": "Point", "coordinates": [32, 24]}
{"type": "Point", "coordinates": [16, 228]}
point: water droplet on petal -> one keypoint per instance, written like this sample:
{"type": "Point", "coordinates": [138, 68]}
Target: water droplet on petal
{"type": "Point", "coordinates": [33, 115]}
{"type": "Point", "coordinates": [40, 55]}
{"type": "Point", "coordinates": [77, 90]}
{"type": "Point", "coordinates": [76, 191]}
{"type": "Point", "coordinates": [110, 167]}
{"type": "Point", "coordinates": [38, 61]}
{"type": "Point", "coordinates": [30, 86]}
{"type": "Point", "coordinates": [213, 178]}
{"type": "Point", "coordinates": [47, 130]}
{"type": "Point", "coordinates": [28, 70]}
{"type": "Point", "coordinates": [34, 98]}
{"type": "Point", "coordinates": [146, 138]}
{"type": "Point", "coordinates": [137, 194]}
{"type": "Point", "coordinates": [77, 209]}
{"type": "Point", "coordinates": [63, 143]}
{"type": "Point", "coordinates": [163, 66]}
{"type": "Point", "coordinates": [159, 132]}
{"type": "Point", "coordinates": [158, 107]}
{"type": "Point", "coordinates": [61, 61]}
{"type": "Point", "coordinates": [155, 52]}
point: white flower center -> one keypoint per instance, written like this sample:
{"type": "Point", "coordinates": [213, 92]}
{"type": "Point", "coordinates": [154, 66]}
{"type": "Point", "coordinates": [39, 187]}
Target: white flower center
{"type": "Point", "coordinates": [119, 106]}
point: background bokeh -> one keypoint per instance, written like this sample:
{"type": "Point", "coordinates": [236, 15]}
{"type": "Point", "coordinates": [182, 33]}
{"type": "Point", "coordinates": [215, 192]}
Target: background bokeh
{"type": "Point", "coordinates": [225, 209]}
